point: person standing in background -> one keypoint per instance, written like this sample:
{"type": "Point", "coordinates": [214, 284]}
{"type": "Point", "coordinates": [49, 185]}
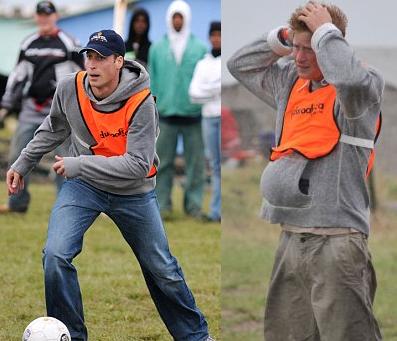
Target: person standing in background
{"type": "Point", "coordinates": [205, 89]}
{"type": "Point", "coordinates": [138, 43]}
{"type": "Point", "coordinates": [45, 57]}
{"type": "Point", "coordinates": [171, 65]}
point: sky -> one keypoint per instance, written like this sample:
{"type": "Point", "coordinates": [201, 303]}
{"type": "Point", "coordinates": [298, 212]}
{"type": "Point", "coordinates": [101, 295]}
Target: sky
{"type": "Point", "coordinates": [371, 23]}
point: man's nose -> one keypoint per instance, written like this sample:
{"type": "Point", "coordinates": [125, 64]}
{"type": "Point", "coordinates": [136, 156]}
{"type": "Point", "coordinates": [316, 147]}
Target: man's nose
{"type": "Point", "coordinates": [300, 55]}
{"type": "Point", "coordinates": [90, 64]}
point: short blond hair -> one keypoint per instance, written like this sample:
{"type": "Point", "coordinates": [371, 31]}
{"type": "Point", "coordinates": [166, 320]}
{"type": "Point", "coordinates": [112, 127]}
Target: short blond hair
{"type": "Point", "coordinates": [339, 19]}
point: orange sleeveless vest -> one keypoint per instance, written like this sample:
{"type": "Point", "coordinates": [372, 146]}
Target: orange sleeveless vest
{"type": "Point", "coordinates": [309, 126]}
{"type": "Point", "coordinates": [371, 159]}
{"type": "Point", "coordinates": [109, 130]}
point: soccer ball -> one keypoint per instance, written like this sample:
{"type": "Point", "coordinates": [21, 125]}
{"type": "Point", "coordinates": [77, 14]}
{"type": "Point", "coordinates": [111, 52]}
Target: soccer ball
{"type": "Point", "coordinates": [46, 329]}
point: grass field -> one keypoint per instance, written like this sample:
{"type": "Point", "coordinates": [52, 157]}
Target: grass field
{"type": "Point", "coordinates": [248, 247]}
{"type": "Point", "coordinates": [116, 301]}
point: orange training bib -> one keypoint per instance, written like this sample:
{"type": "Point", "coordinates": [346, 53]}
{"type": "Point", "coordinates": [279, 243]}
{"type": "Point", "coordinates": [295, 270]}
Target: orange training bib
{"type": "Point", "coordinates": [109, 129]}
{"type": "Point", "coordinates": [309, 127]}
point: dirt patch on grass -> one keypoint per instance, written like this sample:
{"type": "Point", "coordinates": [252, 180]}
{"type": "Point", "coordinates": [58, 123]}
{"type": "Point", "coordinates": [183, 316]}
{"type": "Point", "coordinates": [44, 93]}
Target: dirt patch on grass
{"type": "Point", "coordinates": [244, 325]}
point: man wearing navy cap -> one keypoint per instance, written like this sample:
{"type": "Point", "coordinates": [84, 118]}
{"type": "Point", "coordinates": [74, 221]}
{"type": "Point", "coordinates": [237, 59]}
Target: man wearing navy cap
{"type": "Point", "coordinates": [112, 120]}
{"type": "Point", "coordinates": [45, 7]}
{"type": "Point", "coordinates": [45, 57]}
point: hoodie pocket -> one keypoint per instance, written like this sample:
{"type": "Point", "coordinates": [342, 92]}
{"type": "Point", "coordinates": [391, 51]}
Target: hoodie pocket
{"type": "Point", "coordinates": [281, 183]}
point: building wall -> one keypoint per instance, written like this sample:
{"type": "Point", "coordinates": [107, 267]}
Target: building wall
{"type": "Point", "coordinates": [203, 12]}
{"type": "Point", "coordinates": [81, 26]}
{"type": "Point", "coordinates": [12, 32]}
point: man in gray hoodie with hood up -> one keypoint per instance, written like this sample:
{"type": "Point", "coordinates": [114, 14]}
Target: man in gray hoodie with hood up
{"type": "Point", "coordinates": [112, 120]}
{"type": "Point", "coordinates": [328, 103]}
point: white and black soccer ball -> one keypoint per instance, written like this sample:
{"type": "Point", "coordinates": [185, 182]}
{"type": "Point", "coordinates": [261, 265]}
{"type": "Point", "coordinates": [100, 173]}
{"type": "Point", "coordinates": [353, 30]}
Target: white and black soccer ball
{"type": "Point", "coordinates": [46, 329]}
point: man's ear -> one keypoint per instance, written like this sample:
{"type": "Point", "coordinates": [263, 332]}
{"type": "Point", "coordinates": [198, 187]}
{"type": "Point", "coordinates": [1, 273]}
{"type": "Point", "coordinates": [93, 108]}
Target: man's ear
{"type": "Point", "coordinates": [119, 62]}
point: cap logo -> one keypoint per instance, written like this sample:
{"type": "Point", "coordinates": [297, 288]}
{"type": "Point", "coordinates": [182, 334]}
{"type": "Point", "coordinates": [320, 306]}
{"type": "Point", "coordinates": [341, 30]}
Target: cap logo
{"type": "Point", "coordinates": [99, 37]}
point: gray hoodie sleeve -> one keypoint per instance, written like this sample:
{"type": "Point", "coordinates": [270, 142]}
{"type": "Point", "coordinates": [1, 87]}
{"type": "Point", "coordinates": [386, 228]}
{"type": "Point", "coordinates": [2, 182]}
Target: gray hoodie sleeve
{"type": "Point", "coordinates": [256, 66]}
{"type": "Point", "coordinates": [52, 132]}
{"type": "Point", "coordinates": [358, 87]}
{"type": "Point", "coordinates": [134, 164]}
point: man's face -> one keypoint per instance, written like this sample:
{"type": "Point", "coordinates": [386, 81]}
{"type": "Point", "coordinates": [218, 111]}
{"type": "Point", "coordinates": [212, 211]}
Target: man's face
{"type": "Point", "coordinates": [305, 58]}
{"type": "Point", "coordinates": [140, 25]}
{"type": "Point", "coordinates": [177, 22]}
{"type": "Point", "coordinates": [215, 39]}
{"type": "Point", "coordinates": [46, 23]}
{"type": "Point", "coordinates": [102, 71]}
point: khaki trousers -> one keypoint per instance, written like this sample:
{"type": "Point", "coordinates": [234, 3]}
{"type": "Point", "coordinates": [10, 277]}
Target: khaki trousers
{"type": "Point", "coordinates": [322, 289]}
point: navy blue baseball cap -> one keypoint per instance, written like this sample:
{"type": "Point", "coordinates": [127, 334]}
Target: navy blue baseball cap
{"type": "Point", "coordinates": [106, 43]}
{"type": "Point", "coordinates": [45, 7]}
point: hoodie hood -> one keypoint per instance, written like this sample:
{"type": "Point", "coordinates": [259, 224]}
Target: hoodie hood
{"type": "Point", "coordinates": [132, 34]}
{"type": "Point", "coordinates": [134, 78]}
{"type": "Point", "coordinates": [178, 40]}
{"type": "Point", "coordinates": [139, 45]}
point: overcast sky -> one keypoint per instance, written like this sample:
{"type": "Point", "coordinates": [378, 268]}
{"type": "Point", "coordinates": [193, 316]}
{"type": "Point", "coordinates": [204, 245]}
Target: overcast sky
{"type": "Point", "coordinates": [371, 23]}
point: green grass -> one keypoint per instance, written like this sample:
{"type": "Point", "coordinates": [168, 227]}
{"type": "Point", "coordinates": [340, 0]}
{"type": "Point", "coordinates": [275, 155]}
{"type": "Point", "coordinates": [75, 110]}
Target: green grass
{"type": "Point", "coordinates": [116, 301]}
{"type": "Point", "coordinates": [249, 244]}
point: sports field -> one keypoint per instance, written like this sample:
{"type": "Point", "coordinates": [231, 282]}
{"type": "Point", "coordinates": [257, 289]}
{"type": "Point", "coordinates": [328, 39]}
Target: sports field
{"type": "Point", "coordinates": [249, 243]}
{"type": "Point", "coordinates": [116, 301]}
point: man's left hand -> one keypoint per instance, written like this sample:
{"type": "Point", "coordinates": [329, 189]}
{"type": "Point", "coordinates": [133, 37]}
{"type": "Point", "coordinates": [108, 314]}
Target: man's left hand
{"type": "Point", "coordinates": [59, 166]}
{"type": "Point", "coordinates": [314, 15]}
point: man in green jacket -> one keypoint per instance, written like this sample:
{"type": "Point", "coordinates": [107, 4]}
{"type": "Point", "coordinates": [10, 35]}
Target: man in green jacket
{"type": "Point", "coordinates": [171, 65]}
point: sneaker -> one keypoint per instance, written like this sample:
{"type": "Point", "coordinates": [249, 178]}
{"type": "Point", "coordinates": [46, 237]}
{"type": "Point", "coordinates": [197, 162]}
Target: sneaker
{"type": "Point", "coordinates": [210, 339]}
{"type": "Point", "coordinates": [5, 209]}
{"type": "Point", "coordinates": [195, 214]}
{"type": "Point", "coordinates": [208, 219]}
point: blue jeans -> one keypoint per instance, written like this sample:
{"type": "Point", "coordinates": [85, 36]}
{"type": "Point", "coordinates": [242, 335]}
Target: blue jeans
{"type": "Point", "coordinates": [212, 142]}
{"type": "Point", "coordinates": [23, 135]}
{"type": "Point", "coordinates": [138, 218]}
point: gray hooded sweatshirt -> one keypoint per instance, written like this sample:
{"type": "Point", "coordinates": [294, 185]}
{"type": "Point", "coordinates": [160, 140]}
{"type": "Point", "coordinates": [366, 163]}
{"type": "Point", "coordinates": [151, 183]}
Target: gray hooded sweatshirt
{"type": "Point", "coordinates": [337, 194]}
{"type": "Point", "coordinates": [125, 174]}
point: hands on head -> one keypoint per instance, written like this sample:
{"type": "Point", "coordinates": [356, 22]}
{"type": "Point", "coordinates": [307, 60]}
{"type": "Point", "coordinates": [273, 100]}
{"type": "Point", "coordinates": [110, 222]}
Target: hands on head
{"type": "Point", "coordinates": [315, 15]}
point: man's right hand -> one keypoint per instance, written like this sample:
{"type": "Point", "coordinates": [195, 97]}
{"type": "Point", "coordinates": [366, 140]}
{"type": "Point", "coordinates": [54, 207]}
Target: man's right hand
{"type": "Point", "coordinates": [15, 182]}
{"type": "Point", "coordinates": [315, 15]}
{"type": "Point", "coordinates": [3, 114]}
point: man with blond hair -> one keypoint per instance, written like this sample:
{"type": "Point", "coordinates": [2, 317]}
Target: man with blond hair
{"type": "Point", "coordinates": [328, 103]}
